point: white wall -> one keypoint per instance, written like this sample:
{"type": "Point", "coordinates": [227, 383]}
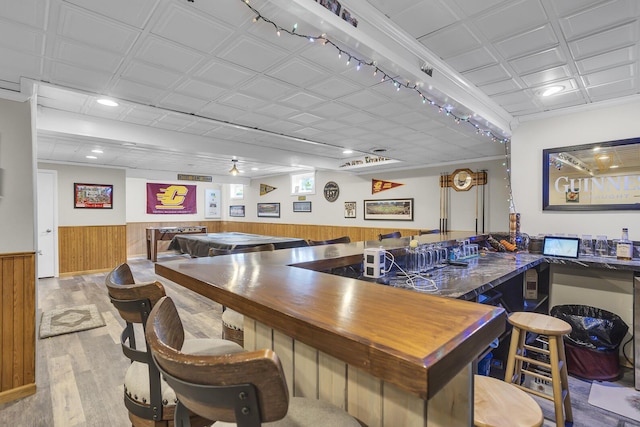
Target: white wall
{"type": "Point", "coordinates": [528, 141]}
{"type": "Point", "coordinates": [68, 175]}
{"type": "Point", "coordinates": [137, 201]}
{"type": "Point", "coordinates": [422, 185]}
{"type": "Point", "coordinates": [17, 185]}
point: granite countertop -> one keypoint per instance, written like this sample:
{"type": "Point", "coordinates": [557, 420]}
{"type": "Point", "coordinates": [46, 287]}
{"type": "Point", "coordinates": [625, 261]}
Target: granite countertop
{"type": "Point", "coordinates": [606, 262]}
{"type": "Point", "coordinates": [484, 272]}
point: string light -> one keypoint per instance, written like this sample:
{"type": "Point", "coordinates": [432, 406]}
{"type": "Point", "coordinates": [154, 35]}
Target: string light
{"type": "Point", "coordinates": [397, 83]}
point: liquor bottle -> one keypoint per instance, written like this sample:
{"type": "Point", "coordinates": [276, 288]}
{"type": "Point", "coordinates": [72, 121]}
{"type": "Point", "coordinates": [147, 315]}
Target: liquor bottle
{"type": "Point", "coordinates": [624, 249]}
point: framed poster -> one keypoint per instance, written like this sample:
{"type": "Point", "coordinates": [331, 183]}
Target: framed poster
{"type": "Point", "coordinates": [236, 210]}
{"type": "Point", "coordinates": [349, 209]}
{"type": "Point", "coordinates": [302, 206]}
{"type": "Point", "coordinates": [212, 203]}
{"type": "Point", "coordinates": [93, 196]}
{"type": "Point", "coordinates": [271, 210]}
{"type": "Point", "coordinates": [389, 209]}
{"type": "Point", "coordinates": [601, 176]}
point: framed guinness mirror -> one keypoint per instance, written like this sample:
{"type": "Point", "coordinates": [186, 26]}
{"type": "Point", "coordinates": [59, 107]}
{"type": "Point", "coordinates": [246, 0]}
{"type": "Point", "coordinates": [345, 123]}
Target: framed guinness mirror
{"type": "Point", "coordinates": [592, 177]}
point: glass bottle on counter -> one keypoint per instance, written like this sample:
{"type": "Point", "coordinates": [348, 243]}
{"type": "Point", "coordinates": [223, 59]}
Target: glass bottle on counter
{"type": "Point", "coordinates": [624, 248]}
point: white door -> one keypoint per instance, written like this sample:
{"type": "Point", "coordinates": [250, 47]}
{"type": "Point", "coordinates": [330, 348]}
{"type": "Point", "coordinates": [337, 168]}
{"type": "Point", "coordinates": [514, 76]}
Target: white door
{"type": "Point", "coordinates": [47, 223]}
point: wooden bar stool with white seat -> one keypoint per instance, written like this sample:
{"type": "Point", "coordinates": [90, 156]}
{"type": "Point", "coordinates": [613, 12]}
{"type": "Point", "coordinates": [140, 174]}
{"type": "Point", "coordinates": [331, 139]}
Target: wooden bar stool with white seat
{"type": "Point", "coordinates": [499, 404]}
{"type": "Point", "coordinates": [551, 363]}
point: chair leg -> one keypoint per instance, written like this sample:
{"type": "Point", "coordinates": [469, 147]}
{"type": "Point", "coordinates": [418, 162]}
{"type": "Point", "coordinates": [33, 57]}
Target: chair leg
{"type": "Point", "coordinates": [513, 348]}
{"type": "Point", "coordinates": [564, 375]}
{"type": "Point", "coordinates": [181, 416]}
{"type": "Point", "coordinates": [556, 382]}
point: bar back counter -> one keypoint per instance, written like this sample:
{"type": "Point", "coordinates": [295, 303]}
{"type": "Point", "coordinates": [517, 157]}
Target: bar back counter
{"type": "Point", "coordinates": [389, 356]}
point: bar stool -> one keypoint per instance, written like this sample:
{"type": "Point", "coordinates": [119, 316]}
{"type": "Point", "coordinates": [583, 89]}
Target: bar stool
{"type": "Point", "coordinates": [498, 404]}
{"type": "Point", "coordinates": [544, 364]}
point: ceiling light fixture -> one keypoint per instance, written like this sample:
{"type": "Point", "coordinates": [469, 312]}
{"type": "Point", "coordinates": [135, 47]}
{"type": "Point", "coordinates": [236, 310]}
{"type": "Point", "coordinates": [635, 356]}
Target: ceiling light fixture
{"type": "Point", "coordinates": [347, 151]}
{"type": "Point", "coordinates": [552, 90]}
{"type": "Point", "coordinates": [234, 170]}
{"type": "Point", "coordinates": [107, 102]}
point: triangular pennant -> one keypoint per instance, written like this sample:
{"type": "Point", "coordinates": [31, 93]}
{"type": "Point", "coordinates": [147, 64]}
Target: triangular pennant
{"type": "Point", "coordinates": [378, 185]}
{"type": "Point", "coordinates": [264, 189]}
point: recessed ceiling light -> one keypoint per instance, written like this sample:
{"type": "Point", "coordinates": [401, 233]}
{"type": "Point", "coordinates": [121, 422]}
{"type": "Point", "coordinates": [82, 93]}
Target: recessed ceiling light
{"type": "Point", "coordinates": [97, 151]}
{"type": "Point", "coordinates": [254, 169]}
{"type": "Point", "coordinates": [551, 90]}
{"type": "Point", "coordinates": [347, 151]}
{"type": "Point", "coordinates": [107, 102]}
{"type": "Point", "coordinates": [91, 157]}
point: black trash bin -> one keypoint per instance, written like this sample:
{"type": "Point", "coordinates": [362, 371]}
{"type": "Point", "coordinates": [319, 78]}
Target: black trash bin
{"type": "Point", "coordinates": [592, 346]}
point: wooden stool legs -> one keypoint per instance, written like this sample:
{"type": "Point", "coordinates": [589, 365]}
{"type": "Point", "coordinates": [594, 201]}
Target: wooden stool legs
{"type": "Point", "coordinates": [551, 365]}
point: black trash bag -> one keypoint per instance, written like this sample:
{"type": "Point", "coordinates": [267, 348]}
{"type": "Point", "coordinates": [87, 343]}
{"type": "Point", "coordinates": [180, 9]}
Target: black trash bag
{"type": "Point", "coordinates": [592, 327]}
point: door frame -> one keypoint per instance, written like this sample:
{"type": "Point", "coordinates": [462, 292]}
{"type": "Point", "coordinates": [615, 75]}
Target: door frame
{"type": "Point", "coordinates": [54, 176]}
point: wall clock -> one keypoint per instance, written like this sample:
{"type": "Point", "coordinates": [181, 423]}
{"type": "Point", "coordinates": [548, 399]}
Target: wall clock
{"type": "Point", "coordinates": [462, 179]}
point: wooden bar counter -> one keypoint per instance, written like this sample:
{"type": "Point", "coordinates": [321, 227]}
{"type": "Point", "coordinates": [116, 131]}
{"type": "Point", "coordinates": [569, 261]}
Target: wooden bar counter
{"type": "Point", "coordinates": [391, 357]}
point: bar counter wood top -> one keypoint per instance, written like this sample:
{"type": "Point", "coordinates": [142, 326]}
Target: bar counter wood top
{"type": "Point", "coordinates": [415, 341]}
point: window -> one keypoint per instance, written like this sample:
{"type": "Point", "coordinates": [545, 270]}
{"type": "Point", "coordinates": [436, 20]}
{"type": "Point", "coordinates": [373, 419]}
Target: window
{"type": "Point", "coordinates": [303, 183]}
{"type": "Point", "coordinates": [237, 191]}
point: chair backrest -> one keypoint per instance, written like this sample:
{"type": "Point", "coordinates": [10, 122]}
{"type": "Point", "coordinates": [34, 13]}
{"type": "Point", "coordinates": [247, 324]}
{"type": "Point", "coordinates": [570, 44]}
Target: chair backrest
{"type": "Point", "coordinates": [209, 386]}
{"type": "Point", "coordinates": [394, 235]}
{"type": "Point", "coordinates": [343, 239]}
{"type": "Point", "coordinates": [248, 249]}
{"type": "Point", "coordinates": [434, 231]}
{"type": "Point", "coordinates": [122, 287]}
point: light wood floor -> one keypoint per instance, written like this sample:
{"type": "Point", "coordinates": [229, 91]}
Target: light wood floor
{"type": "Point", "coordinates": [79, 376]}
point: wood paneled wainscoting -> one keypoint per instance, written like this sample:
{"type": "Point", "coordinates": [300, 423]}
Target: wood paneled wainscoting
{"type": "Point", "coordinates": [87, 249]}
{"type": "Point", "coordinates": [17, 325]}
{"type": "Point", "coordinates": [136, 236]}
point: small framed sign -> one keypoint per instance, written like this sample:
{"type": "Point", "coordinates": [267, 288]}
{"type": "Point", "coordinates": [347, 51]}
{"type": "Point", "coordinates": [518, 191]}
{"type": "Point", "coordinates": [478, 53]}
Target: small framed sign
{"type": "Point", "coordinates": [302, 206]}
{"type": "Point", "coordinates": [236, 210]}
{"type": "Point", "coordinates": [349, 209]}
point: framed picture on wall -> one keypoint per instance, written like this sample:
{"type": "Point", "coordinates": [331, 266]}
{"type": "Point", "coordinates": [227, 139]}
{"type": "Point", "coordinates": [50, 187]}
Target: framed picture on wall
{"type": "Point", "coordinates": [349, 209]}
{"type": "Point", "coordinates": [389, 209]}
{"type": "Point", "coordinates": [236, 210]}
{"type": "Point", "coordinates": [271, 210]}
{"type": "Point", "coordinates": [302, 206]}
{"type": "Point", "coordinates": [93, 196]}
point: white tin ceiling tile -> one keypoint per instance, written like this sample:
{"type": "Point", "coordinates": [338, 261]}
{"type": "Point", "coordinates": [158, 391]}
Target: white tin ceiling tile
{"type": "Point", "coordinates": [599, 17]}
{"type": "Point", "coordinates": [277, 111]}
{"type": "Point", "coordinates": [223, 75]}
{"type": "Point", "coordinates": [357, 118]}
{"type": "Point", "coordinates": [184, 103]}
{"type": "Point", "coordinates": [472, 60]}
{"type": "Point", "coordinates": [513, 18]}
{"type": "Point", "coordinates": [307, 132]}
{"type": "Point", "coordinates": [252, 54]}
{"type": "Point", "coordinates": [133, 91]}
{"type": "Point", "coordinates": [511, 98]}
{"type": "Point", "coordinates": [424, 18]}
{"type": "Point", "coordinates": [606, 60]}
{"type": "Point", "coordinates": [564, 99]}
{"type": "Point", "coordinates": [329, 125]}
{"type": "Point", "coordinates": [473, 7]}
{"type": "Point", "coordinates": [331, 109]}
{"type": "Point", "coordinates": [284, 126]}
{"type": "Point", "coordinates": [20, 37]}
{"type": "Point", "coordinates": [242, 101]}
{"type": "Point", "coordinates": [68, 75]}
{"type": "Point", "coordinates": [604, 41]}
{"type": "Point", "coordinates": [302, 100]}
{"type": "Point", "coordinates": [266, 88]}
{"type": "Point", "coordinates": [507, 85]}
{"type": "Point", "coordinates": [190, 29]}
{"type": "Point", "coordinates": [530, 41]}
{"type": "Point", "coordinates": [86, 56]}
{"type": "Point", "coordinates": [487, 75]}
{"type": "Point", "coordinates": [297, 72]}
{"type": "Point", "coordinates": [387, 109]}
{"type": "Point", "coordinates": [391, 7]}
{"type": "Point", "coordinates": [95, 30]}
{"type": "Point", "coordinates": [200, 90]}
{"type": "Point", "coordinates": [232, 12]}
{"type": "Point", "coordinates": [538, 61]}
{"type": "Point", "coordinates": [149, 74]}
{"type": "Point", "coordinates": [334, 87]}
{"type": "Point", "coordinates": [20, 65]}
{"type": "Point", "coordinates": [569, 7]}
{"type": "Point", "coordinates": [613, 90]}
{"type": "Point", "coordinates": [545, 76]}
{"type": "Point", "coordinates": [134, 13]}
{"type": "Point", "coordinates": [451, 41]}
{"type": "Point", "coordinates": [29, 12]}
{"type": "Point", "coordinates": [162, 52]}
{"type": "Point", "coordinates": [326, 57]}
{"type": "Point", "coordinates": [221, 112]}
{"type": "Point", "coordinates": [611, 75]}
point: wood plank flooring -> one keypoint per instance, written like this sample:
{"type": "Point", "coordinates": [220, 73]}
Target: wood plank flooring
{"type": "Point", "coordinates": [79, 376]}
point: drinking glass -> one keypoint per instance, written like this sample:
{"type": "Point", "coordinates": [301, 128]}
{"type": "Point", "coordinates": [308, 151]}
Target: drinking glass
{"type": "Point", "coordinates": [602, 246]}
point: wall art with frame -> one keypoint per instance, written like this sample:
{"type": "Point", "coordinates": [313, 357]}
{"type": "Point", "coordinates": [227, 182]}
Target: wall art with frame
{"type": "Point", "coordinates": [93, 196]}
{"type": "Point", "coordinates": [302, 206]}
{"type": "Point", "coordinates": [389, 209]}
{"type": "Point", "coordinates": [236, 210]}
{"type": "Point", "coordinates": [269, 210]}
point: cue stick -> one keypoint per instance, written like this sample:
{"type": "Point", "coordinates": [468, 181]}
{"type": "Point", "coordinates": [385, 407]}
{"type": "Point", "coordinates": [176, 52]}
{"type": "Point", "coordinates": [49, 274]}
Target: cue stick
{"type": "Point", "coordinates": [477, 183]}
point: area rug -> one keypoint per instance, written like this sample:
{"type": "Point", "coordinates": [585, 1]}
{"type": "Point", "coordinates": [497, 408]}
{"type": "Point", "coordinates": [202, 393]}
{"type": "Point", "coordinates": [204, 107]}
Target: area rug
{"type": "Point", "coordinates": [71, 319]}
{"type": "Point", "coordinates": [616, 398]}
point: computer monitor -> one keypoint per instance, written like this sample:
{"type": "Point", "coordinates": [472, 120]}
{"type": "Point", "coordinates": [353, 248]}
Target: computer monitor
{"type": "Point", "coordinates": [563, 247]}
